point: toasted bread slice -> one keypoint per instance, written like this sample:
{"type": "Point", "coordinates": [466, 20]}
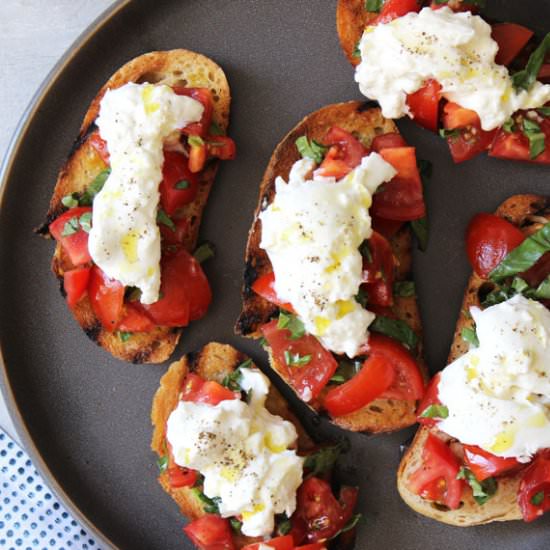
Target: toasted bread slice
{"type": "Point", "coordinates": [213, 362]}
{"type": "Point", "coordinates": [173, 68]}
{"type": "Point", "coordinates": [351, 20]}
{"type": "Point", "coordinates": [365, 123]}
{"type": "Point", "coordinates": [527, 212]}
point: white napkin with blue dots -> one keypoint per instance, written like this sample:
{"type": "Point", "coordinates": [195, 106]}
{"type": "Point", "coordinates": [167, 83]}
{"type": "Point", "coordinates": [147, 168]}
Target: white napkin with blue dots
{"type": "Point", "coordinates": [31, 518]}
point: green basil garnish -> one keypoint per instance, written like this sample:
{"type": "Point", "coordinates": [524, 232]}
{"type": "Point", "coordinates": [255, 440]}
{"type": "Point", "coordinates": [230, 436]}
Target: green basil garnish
{"type": "Point", "coordinates": [543, 111]}
{"type": "Point", "coordinates": [295, 359]}
{"type": "Point", "coordinates": [284, 525]}
{"type": "Point", "coordinates": [435, 411]}
{"type": "Point", "coordinates": [291, 323]}
{"type": "Point", "coordinates": [210, 505]}
{"type": "Point", "coordinates": [324, 459]}
{"type": "Point", "coordinates": [482, 491]}
{"type": "Point", "coordinates": [364, 249]}
{"type": "Point", "coordinates": [469, 335]}
{"type": "Point", "coordinates": [165, 219]}
{"type": "Point", "coordinates": [87, 198]}
{"type": "Point", "coordinates": [195, 141]}
{"type": "Point", "coordinates": [536, 137]}
{"type": "Point", "coordinates": [235, 524]}
{"type": "Point", "coordinates": [405, 289]}
{"type": "Point", "coordinates": [71, 227]}
{"type": "Point", "coordinates": [183, 184]}
{"type": "Point", "coordinates": [204, 252]}
{"type": "Point", "coordinates": [70, 201]}
{"type": "Point", "coordinates": [347, 369]}
{"type": "Point", "coordinates": [362, 297]}
{"type": "Point", "coordinates": [537, 498]}
{"type": "Point", "coordinates": [396, 329]}
{"type": "Point", "coordinates": [509, 126]}
{"type": "Point", "coordinates": [162, 463]}
{"type": "Point", "coordinates": [124, 336]}
{"type": "Point", "coordinates": [374, 6]}
{"type": "Point", "coordinates": [311, 149]}
{"type": "Point", "coordinates": [215, 129]}
{"type": "Point", "coordinates": [85, 221]}
{"type": "Point", "coordinates": [523, 256]}
{"type": "Point", "coordinates": [353, 521]}
{"type": "Point", "coordinates": [518, 286]}
{"type": "Point", "coordinates": [233, 380]}
{"type": "Point", "coordinates": [523, 80]}
{"type": "Point", "coordinates": [449, 133]}
{"type": "Point", "coordinates": [356, 51]}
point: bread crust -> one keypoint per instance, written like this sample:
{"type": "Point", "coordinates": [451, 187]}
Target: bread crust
{"type": "Point", "coordinates": [525, 212]}
{"type": "Point", "coordinates": [365, 122]}
{"type": "Point", "coordinates": [351, 20]}
{"type": "Point", "coordinates": [213, 362]}
{"type": "Point", "coordinates": [175, 68]}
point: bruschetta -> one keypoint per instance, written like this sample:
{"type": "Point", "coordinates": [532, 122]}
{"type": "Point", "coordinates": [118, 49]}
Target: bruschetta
{"type": "Point", "coordinates": [482, 453]}
{"type": "Point", "coordinates": [238, 463]}
{"type": "Point", "coordinates": [482, 90]}
{"type": "Point", "coordinates": [127, 204]}
{"type": "Point", "coordinates": [314, 234]}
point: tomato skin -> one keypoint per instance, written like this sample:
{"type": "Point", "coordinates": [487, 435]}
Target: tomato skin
{"type": "Point", "coordinates": [175, 170]}
{"type": "Point", "coordinates": [378, 271]}
{"type": "Point", "coordinates": [75, 245]}
{"type": "Point", "coordinates": [265, 287]}
{"type": "Point", "coordinates": [387, 141]}
{"type": "Point", "coordinates": [436, 478]}
{"type": "Point", "coordinates": [401, 198]}
{"type": "Point", "coordinates": [484, 464]}
{"type": "Point", "coordinates": [100, 145]}
{"type": "Point", "coordinates": [204, 95]}
{"type": "Point", "coordinates": [307, 380]}
{"type": "Point", "coordinates": [535, 479]}
{"type": "Point", "coordinates": [455, 116]}
{"type": "Point", "coordinates": [107, 299]}
{"type": "Point", "coordinates": [431, 397]}
{"type": "Point", "coordinates": [386, 228]}
{"type": "Point", "coordinates": [424, 105]}
{"type": "Point", "coordinates": [198, 390]}
{"type": "Point", "coordinates": [75, 284]}
{"type": "Point", "coordinates": [134, 320]}
{"type": "Point", "coordinates": [511, 39]}
{"type": "Point", "coordinates": [182, 477]}
{"type": "Point", "coordinates": [314, 546]}
{"type": "Point", "coordinates": [344, 154]}
{"type": "Point", "coordinates": [392, 9]}
{"type": "Point", "coordinates": [221, 147]}
{"type": "Point", "coordinates": [488, 239]}
{"type": "Point", "coordinates": [278, 543]}
{"type": "Point", "coordinates": [210, 532]}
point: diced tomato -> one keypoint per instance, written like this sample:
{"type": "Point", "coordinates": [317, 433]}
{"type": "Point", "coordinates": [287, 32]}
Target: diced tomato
{"type": "Point", "coordinates": [185, 291]}
{"type": "Point", "coordinates": [221, 147]}
{"type": "Point", "coordinates": [431, 397]}
{"type": "Point", "coordinates": [378, 271]}
{"type": "Point", "coordinates": [511, 39]}
{"type": "Point", "coordinates": [308, 380]}
{"type": "Point", "coordinates": [534, 488]}
{"type": "Point", "coordinates": [75, 283]}
{"type": "Point", "coordinates": [182, 477]}
{"type": "Point", "coordinates": [210, 532]}
{"type": "Point", "coordinates": [204, 95]}
{"type": "Point", "coordinates": [387, 228]}
{"type": "Point", "coordinates": [436, 478]}
{"type": "Point", "coordinates": [455, 116]}
{"type": "Point", "coordinates": [343, 147]}
{"type": "Point", "coordinates": [401, 198]}
{"type": "Point", "coordinates": [175, 236]}
{"type": "Point", "coordinates": [179, 185]}
{"type": "Point", "coordinates": [424, 105]}
{"type": "Point", "coordinates": [75, 244]}
{"type": "Point", "coordinates": [484, 464]}
{"type": "Point", "coordinates": [488, 239]}
{"type": "Point", "coordinates": [323, 514]}
{"type": "Point", "coordinates": [107, 298]}
{"type": "Point", "coordinates": [265, 287]}
{"type": "Point", "coordinates": [100, 145]}
{"type": "Point", "coordinates": [392, 9]}
{"type": "Point", "coordinates": [191, 386]}
{"type": "Point", "coordinates": [197, 157]}
{"type": "Point", "coordinates": [387, 141]}
{"type": "Point", "coordinates": [333, 166]}
{"type": "Point", "coordinates": [135, 320]}
{"type": "Point", "coordinates": [278, 543]}
{"type": "Point", "coordinates": [197, 390]}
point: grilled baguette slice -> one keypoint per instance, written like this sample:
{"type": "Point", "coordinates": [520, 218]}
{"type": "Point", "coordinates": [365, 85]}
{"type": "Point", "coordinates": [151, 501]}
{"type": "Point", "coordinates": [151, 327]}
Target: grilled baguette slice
{"type": "Point", "coordinates": [351, 20]}
{"type": "Point", "coordinates": [213, 362]}
{"type": "Point", "coordinates": [527, 212]}
{"type": "Point", "coordinates": [174, 68]}
{"type": "Point", "coordinates": [365, 122]}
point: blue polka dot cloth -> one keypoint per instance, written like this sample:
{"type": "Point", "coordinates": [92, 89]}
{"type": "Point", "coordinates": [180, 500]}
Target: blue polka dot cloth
{"type": "Point", "coordinates": [30, 516]}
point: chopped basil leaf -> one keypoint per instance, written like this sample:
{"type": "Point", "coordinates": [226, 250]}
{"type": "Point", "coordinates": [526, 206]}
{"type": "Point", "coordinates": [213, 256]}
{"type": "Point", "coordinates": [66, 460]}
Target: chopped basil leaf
{"type": "Point", "coordinates": [262, 341]}
{"type": "Point", "coordinates": [204, 252]}
{"type": "Point", "coordinates": [87, 198]}
{"type": "Point", "coordinates": [311, 149]}
{"type": "Point", "coordinates": [210, 505]}
{"type": "Point", "coordinates": [325, 458]}
{"type": "Point", "coordinates": [404, 289]}
{"type": "Point", "coordinates": [353, 521]}
{"type": "Point", "coordinates": [132, 293]}
{"type": "Point", "coordinates": [215, 129]}
{"type": "Point", "coordinates": [71, 227]}
{"type": "Point", "coordinates": [356, 51]}
{"type": "Point", "coordinates": [245, 364]}
{"type": "Point", "coordinates": [362, 297]}
{"type": "Point", "coordinates": [284, 526]}
{"type": "Point", "coordinates": [296, 359]}
{"type": "Point", "coordinates": [183, 184]}
{"type": "Point", "coordinates": [124, 336]}
{"type": "Point", "coordinates": [195, 141]}
{"type": "Point", "coordinates": [235, 524]}
{"type": "Point", "coordinates": [435, 411]}
{"type": "Point", "coordinates": [542, 292]}
{"type": "Point", "coordinates": [396, 329]}
{"type": "Point", "coordinates": [233, 380]}
{"type": "Point", "coordinates": [469, 335]}
{"type": "Point", "coordinates": [85, 221]}
{"type": "Point", "coordinates": [518, 286]}
{"type": "Point", "coordinates": [449, 133]}
{"type": "Point", "coordinates": [364, 249]}
{"type": "Point", "coordinates": [70, 201]}
{"type": "Point", "coordinates": [536, 138]}
{"type": "Point", "coordinates": [544, 111]}
{"type": "Point", "coordinates": [525, 78]}
{"type": "Point", "coordinates": [523, 256]}
{"type": "Point", "coordinates": [482, 491]}
{"type": "Point", "coordinates": [162, 463]}
{"type": "Point", "coordinates": [509, 126]}
{"type": "Point", "coordinates": [347, 369]}
{"type": "Point", "coordinates": [164, 219]}
{"type": "Point", "coordinates": [373, 6]}
{"type": "Point", "coordinates": [291, 323]}
{"type": "Point", "coordinates": [537, 498]}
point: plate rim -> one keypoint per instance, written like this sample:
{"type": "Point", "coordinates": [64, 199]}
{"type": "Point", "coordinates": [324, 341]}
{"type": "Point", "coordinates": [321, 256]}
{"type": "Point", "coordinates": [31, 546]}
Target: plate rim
{"type": "Point", "coordinates": [6, 167]}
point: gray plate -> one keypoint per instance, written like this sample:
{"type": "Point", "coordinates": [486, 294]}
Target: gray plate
{"type": "Point", "coordinates": [85, 416]}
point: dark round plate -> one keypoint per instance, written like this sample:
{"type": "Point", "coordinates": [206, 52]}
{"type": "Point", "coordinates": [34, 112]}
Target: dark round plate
{"type": "Point", "coordinates": [83, 415]}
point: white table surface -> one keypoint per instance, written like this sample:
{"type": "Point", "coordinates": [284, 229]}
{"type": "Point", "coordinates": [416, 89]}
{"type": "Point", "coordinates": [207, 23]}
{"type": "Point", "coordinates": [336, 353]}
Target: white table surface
{"type": "Point", "coordinates": [33, 36]}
